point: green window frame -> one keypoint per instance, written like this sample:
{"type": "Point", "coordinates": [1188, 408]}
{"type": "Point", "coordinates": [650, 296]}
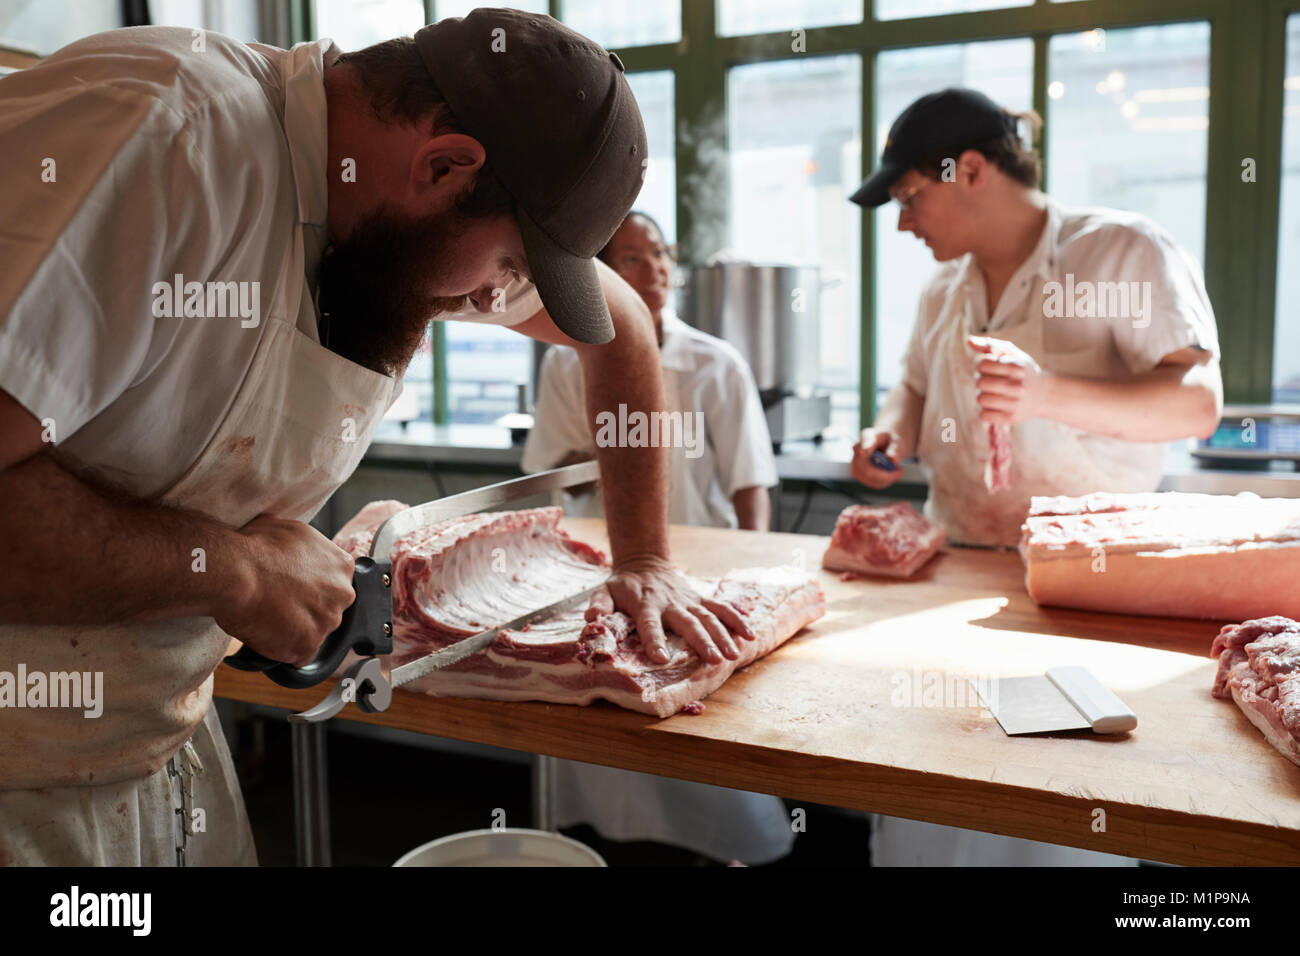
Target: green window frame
{"type": "Point", "coordinates": [1247, 62]}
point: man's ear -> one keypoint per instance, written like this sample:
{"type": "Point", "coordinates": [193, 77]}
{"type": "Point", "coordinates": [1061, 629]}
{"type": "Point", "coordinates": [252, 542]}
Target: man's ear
{"type": "Point", "coordinates": [449, 159]}
{"type": "Point", "coordinates": [974, 168]}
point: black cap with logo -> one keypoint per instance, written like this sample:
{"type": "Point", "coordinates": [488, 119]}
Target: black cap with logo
{"type": "Point", "coordinates": [562, 132]}
{"type": "Point", "coordinates": [937, 121]}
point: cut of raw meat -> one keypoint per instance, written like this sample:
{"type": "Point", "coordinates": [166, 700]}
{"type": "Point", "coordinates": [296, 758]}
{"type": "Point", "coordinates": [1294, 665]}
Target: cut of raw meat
{"type": "Point", "coordinates": [1225, 557]}
{"type": "Point", "coordinates": [355, 536]}
{"type": "Point", "coordinates": [894, 540]}
{"type": "Point", "coordinates": [466, 575]}
{"type": "Point", "coordinates": [997, 469]}
{"type": "Point", "coordinates": [1259, 665]}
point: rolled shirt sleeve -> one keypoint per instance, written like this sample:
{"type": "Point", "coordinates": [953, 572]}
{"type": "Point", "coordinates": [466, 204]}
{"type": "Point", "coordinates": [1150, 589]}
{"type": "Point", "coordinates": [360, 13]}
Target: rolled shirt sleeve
{"type": "Point", "coordinates": [1176, 311]}
{"type": "Point", "coordinates": [85, 169]}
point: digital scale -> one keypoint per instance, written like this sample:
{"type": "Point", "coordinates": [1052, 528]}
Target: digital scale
{"type": "Point", "coordinates": [1254, 433]}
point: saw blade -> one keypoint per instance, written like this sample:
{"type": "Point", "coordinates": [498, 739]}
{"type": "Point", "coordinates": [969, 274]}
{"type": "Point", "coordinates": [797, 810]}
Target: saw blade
{"type": "Point", "coordinates": [462, 649]}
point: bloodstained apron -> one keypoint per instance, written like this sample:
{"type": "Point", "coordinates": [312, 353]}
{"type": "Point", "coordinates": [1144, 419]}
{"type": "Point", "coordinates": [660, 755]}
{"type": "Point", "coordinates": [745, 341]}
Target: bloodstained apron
{"type": "Point", "coordinates": [98, 791]}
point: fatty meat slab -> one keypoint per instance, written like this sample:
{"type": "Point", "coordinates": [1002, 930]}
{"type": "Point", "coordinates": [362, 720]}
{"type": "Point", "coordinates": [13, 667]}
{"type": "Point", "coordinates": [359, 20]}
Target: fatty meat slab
{"type": "Point", "coordinates": [1219, 557]}
{"type": "Point", "coordinates": [463, 576]}
{"type": "Point", "coordinates": [1259, 667]}
{"type": "Point", "coordinates": [892, 540]}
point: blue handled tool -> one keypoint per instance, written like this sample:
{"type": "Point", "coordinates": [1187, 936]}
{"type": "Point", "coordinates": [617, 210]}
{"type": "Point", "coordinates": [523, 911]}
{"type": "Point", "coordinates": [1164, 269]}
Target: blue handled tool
{"type": "Point", "coordinates": [882, 461]}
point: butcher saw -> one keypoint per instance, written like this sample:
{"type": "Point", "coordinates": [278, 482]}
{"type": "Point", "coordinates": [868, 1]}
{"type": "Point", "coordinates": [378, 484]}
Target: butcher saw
{"type": "Point", "coordinates": [367, 624]}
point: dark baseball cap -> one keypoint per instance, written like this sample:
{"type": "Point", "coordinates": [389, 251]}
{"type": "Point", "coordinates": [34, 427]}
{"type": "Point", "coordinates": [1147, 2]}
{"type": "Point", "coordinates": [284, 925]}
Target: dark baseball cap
{"type": "Point", "coordinates": [937, 121]}
{"type": "Point", "coordinates": [562, 132]}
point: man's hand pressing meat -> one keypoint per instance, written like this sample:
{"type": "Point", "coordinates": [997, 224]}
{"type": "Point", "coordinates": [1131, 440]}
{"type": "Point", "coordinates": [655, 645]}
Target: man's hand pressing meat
{"type": "Point", "coordinates": [654, 593]}
{"type": "Point", "coordinates": [625, 375]}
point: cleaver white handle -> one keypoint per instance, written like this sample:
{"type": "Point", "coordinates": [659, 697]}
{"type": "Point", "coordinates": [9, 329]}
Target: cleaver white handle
{"type": "Point", "coordinates": [1106, 712]}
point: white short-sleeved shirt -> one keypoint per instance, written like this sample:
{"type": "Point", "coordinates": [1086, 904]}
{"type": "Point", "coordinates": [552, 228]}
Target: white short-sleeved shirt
{"type": "Point", "coordinates": [1077, 245]}
{"type": "Point", "coordinates": [131, 157]}
{"type": "Point", "coordinates": [1097, 245]}
{"type": "Point", "coordinates": [702, 374]}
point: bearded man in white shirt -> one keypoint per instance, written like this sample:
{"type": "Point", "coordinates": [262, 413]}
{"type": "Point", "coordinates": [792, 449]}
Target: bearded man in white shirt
{"type": "Point", "coordinates": [219, 258]}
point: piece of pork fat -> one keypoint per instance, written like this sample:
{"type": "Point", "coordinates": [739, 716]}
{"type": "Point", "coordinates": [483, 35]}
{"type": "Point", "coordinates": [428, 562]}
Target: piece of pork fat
{"type": "Point", "coordinates": [1224, 557]}
{"type": "Point", "coordinates": [355, 536]}
{"type": "Point", "coordinates": [1259, 666]}
{"type": "Point", "coordinates": [997, 468]}
{"type": "Point", "coordinates": [464, 576]}
{"type": "Point", "coordinates": [893, 540]}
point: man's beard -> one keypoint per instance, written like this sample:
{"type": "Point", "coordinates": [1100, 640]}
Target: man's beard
{"type": "Point", "coordinates": [372, 286]}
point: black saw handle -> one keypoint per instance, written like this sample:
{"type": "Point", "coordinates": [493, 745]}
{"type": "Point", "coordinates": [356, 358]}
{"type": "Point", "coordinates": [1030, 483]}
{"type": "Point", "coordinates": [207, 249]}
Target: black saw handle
{"type": "Point", "coordinates": [366, 627]}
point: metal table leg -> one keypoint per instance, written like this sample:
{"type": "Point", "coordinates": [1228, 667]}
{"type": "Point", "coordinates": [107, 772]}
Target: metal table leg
{"type": "Point", "coordinates": [311, 811]}
{"type": "Point", "coordinates": [543, 792]}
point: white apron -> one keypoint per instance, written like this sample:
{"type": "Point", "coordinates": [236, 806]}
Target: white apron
{"type": "Point", "coordinates": [81, 791]}
{"type": "Point", "coordinates": [1047, 458]}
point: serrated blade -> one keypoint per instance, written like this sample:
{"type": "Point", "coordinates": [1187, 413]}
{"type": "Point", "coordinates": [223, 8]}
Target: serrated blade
{"type": "Point", "coordinates": [423, 666]}
{"type": "Point", "coordinates": [479, 499]}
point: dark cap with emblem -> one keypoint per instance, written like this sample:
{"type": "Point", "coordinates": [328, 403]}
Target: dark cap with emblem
{"type": "Point", "coordinates": [937, 121]}
{"type": "Point", "coordinates": [562, 132]}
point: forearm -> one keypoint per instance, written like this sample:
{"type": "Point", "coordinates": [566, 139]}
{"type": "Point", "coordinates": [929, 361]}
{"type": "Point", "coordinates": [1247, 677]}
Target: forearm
{"type": "Point", "coordinates": [753, 508]}
{"type": "Point", "coordinates": [1163, 405]}
{"type": "Point", "coordinates": [634, 480]}
{"type": "Point", "coordinates": [76, 555]}
{"type": "Point", "coordinates": [901, 414]}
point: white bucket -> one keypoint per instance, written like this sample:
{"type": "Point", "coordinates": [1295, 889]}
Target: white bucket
{"type": "Point", "coordinates": [509, 847]}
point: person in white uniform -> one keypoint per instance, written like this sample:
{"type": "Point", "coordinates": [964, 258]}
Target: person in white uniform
{"type": "Point", "coordinates": [219, 259]}
{"type": "Point", "coordinates": [1087, 331]}
{"type": "Point", "coordinates": [718, 479]}
{"type": "Point", "coordinates": [720, 475]}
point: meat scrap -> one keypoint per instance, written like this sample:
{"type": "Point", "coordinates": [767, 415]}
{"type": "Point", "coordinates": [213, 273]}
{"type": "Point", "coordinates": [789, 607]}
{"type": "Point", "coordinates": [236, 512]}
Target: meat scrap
{"type": "Point", "coordinates": [893, 540]}
{"type": "Point", "coordinates": [1218, 557]}
{"type": "Point", "coordinates": [1259, 667]}
{"type": "Point", "coordinates": [459, 577]}
{"type": "Point", "coordinates": [997, 469]}
{"type": "Point", "coordinates": [355, 536]}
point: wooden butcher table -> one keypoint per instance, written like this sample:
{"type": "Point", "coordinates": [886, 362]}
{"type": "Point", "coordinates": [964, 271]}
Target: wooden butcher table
{"type": "Point", "coordinates": [869, 709]}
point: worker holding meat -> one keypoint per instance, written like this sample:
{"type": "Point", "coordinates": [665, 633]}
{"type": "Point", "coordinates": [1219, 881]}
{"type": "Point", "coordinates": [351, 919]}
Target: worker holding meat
{"type": "Point", "coordinates": [1055, 352]}
{"type": "Point", "coordinates": [1083, 335]}
{"type": "Point", "coordinates": [719, 476]}
{"type": "Point", "coordinates": [219, 259]}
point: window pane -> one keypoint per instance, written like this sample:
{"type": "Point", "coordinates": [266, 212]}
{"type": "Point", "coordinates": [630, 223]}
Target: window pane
{"type": "Point", "coordinates": [654, 94]}
{"type": "Point", "coordinates": [417, 385]}
{"type": "Point", "coordinates": [357, 24]}
{"type": "Point", "coordinates": [1002, 69]}
{"type": "Point", "coordinates": [739, 17]}
{"type": "Point", "coordinates": [795, 155]}
{"type": "Point", "coordinates": [1286, 345]}
{"type": "Point", "coordinates": [1128, 120]}
{"type": "Point", "coordinates": [236, 18]}
{"type": "Point", "coordinates": [900, 9]}
{"type": "Point", "coordinates": [44, 26]}
{"type": "Point", "coordinates": [458, 8]}
{"type": "Point", "coordinates": [485, 364]}
{"type": "Point", "coordinates": [630, 23]}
